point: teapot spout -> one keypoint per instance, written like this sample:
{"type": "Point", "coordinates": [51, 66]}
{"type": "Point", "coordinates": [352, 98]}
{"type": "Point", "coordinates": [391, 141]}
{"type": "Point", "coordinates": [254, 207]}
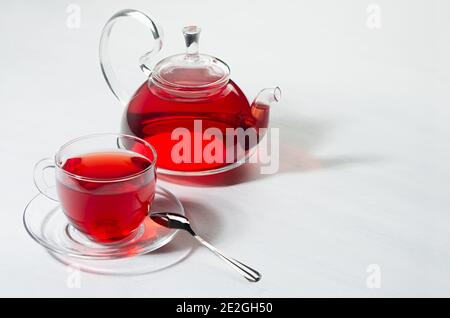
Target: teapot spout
{"type": "Point", "coordinates": [261, 105]}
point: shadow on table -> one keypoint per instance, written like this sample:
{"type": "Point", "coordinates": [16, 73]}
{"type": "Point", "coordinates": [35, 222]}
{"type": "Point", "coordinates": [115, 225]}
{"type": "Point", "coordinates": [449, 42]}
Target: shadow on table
{"type": "Point", "coordinates": [298, 140]}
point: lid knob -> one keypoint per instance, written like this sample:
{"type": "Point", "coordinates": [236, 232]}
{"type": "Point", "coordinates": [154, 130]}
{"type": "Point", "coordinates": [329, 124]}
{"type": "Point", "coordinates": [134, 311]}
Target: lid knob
{"type": "Point", "coordinates": [191, 37]}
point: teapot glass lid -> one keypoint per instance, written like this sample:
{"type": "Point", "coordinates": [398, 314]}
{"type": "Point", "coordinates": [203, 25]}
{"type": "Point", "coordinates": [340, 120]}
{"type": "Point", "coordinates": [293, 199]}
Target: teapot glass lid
{"type": "Point", "coordinates": [192, 70]}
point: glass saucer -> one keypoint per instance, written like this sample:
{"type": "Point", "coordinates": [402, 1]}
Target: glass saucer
{"type": "Point", "coordinates": [46, 223]}
{"type": "Point", "coordinates": [163, 258]}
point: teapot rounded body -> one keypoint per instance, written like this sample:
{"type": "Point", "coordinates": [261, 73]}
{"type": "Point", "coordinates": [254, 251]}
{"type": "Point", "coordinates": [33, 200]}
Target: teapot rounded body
{"type": "Point", "coordinates": [196, 117]}
{"type": "Point", "coordinates": [180, 128]}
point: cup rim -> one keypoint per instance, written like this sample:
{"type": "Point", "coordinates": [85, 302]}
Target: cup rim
{"type": "Point", "coordinates": [103, 180]}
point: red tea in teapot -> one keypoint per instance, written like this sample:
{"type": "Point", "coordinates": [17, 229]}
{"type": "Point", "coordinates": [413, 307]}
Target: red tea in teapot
{"type": "Point", "coordinates": [154, 117]}
{"type": "Point", "coordinates": [105, 194]}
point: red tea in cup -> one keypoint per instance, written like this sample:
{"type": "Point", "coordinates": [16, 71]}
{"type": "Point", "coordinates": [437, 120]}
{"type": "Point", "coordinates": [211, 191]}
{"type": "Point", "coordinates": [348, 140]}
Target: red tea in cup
{"type": "Point", "coordinates": [105, 184]}
{"type": "Point", "coordinates": [112, 197]}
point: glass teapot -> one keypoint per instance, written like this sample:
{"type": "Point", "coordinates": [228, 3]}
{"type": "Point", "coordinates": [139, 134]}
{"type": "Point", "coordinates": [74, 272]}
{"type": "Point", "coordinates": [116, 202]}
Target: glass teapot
{"type": "Point", "coordinates": [196, 117]}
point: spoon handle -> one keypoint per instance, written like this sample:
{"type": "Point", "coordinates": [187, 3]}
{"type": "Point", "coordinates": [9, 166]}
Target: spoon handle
{"type": "Point", "coordinates": [249, 273]}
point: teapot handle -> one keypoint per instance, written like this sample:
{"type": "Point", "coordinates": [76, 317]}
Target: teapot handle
{"type": "Point", "coordinates": [105, 61]}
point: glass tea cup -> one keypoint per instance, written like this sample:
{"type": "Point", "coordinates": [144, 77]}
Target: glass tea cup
{"type": "Point", "coordinates": [105, 184]}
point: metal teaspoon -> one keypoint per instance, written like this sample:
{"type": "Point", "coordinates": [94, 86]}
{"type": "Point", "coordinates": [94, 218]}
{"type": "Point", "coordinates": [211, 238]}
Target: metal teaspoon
{"type": "Point", "coordinates": [177, 221]}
